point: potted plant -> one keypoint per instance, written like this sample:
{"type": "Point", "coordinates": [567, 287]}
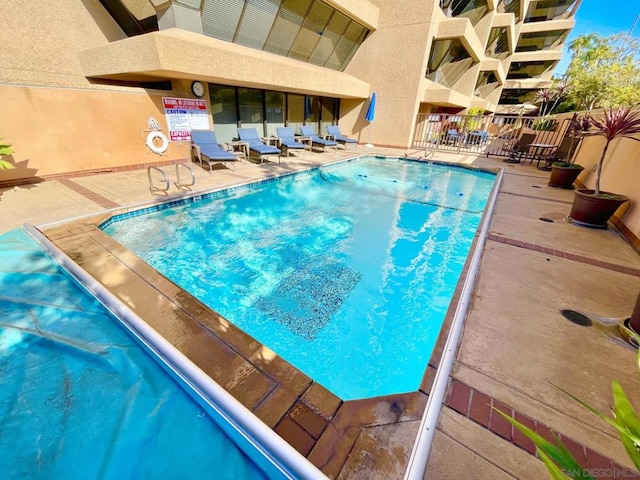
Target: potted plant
{"type": "Point", "coordinates": [5, 149]}
{"type": "Point", "coordinates": [565, 171]}
{"type": "Point", "coordinates": [594, 208]}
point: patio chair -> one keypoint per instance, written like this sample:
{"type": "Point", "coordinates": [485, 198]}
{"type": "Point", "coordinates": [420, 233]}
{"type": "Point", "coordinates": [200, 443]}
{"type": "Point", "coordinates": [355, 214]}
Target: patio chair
{"type": "Point", "coordinates": [288, 141]}
{"type": "Point", "coordinates": [316, 140]}
{"type": "Point", "coordinates": [452, 137]}
{"type": "Point", "coordinates": [256, 146]}
{"type": "Point", "coordinates": [205, 148]}
{"type": "Point", "coordinates": [334, 133]}
{"type": "Point", "coordinates": [520, 148]}
{"type": "Point", "coordinates": [561, 154]}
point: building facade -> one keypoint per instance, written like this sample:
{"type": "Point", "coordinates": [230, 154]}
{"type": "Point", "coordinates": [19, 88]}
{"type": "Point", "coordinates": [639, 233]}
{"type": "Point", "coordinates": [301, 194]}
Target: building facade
{"type": "Point", "coordinates": [80, 80]}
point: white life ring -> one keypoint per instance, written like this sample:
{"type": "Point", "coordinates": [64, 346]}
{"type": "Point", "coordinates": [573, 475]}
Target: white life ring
{"type": "Point", "coordinates": [164, 143]}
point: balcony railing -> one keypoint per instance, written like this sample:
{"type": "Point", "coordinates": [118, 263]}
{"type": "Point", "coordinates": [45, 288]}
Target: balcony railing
{"type": "Point", "coordinates": [535, 41]}
{"type": "Point", "coordinates": [448, 62]}
{"type": "Point", "coordinates": [474, 10]}
{"type": "Point", "coordinates": [545, 10]}
{"type": "Point", "coordinates": [510, 6]}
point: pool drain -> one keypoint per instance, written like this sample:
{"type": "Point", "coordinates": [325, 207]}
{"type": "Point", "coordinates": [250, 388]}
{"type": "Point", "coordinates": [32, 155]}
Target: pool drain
{"type": "Point", "coordinates": [577, 318]}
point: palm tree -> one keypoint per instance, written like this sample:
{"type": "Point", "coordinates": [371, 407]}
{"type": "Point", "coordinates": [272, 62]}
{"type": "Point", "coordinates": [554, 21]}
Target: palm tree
{"type": "Point", "coordinates": [620, 123]}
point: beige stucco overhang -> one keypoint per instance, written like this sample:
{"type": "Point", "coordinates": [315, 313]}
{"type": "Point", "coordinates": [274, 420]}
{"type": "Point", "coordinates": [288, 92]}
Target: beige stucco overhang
{"type": "Point", "coordinates": [562, 24]}
{"type": "Point", "coordinates": [462, 29]}
{"type": "Point", "coordinates": [362, 11]}
{"type": "Point", "coordinates": [178, 54]}
{"type": "Point", "coordinates": [506, 20]}
{"type": "Point", "coordinates": [537, 56]}
{"type": "Point", "coordinates": [436, 94]}
{"type": "Point", "coordinates": [494, 65]}
{"type": "Point", "coordinates": [486, 105]}
{"type": "Point", "coordinates": [528, 84]}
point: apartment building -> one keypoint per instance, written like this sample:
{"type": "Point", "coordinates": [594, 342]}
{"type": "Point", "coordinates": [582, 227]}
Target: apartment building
{"type": "Point", "coordinates": [80, 80]}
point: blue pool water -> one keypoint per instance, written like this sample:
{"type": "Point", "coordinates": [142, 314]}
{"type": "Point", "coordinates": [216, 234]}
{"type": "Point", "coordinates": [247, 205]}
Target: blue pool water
{"type": "Point", "coordinates": [79, 398]}
{"type": "Point", "coordinates": [346, 271]}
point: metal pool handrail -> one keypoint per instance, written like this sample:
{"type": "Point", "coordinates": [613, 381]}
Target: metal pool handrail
{"type": "Point", "coordinates": [279, 453]}
{"type": "Point", "coordinates": [422, 447]}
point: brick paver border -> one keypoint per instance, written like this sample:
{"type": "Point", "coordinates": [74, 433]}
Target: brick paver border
{"type": "Point", "coordinates": [563, 254]}
{"type": "Point", "coordinates": [479, 408]}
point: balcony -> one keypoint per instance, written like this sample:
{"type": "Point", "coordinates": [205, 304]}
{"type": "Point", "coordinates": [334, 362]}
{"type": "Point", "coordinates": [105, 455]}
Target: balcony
{"type": "Point", "coordinates": [510, 6]}
{"type": "Point", "coordinates": [535, 41]}
{"type": "Point", "coordinates": [498, 43]}
{"type": "Point", "coordinates": [545, 10]}
{"type": "Point", "coordinates": [535, 69]}
{"type": "Point", "coordinates": [486, 84]}
{"type": "Point", "coordinates": [449, 60]}
{"type": "Point", "coordinates": [517, 96]}
{"type": "Point", "coordinates": [474, 10]}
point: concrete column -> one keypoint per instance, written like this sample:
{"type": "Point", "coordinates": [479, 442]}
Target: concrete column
{"type": "Point", "coordinates": [184, 14]}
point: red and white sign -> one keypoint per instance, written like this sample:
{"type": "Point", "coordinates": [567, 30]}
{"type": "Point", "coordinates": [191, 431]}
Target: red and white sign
{"type": "Point", "coordinates": [184, 115]}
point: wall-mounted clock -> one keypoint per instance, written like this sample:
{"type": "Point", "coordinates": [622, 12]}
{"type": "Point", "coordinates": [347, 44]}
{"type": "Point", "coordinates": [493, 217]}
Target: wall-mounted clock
{"type": "Point", "coordinates": [197, 88]}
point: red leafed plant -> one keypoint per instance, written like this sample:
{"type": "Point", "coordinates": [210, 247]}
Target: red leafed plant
{"type": "Point", "coordinates": [618, 123]}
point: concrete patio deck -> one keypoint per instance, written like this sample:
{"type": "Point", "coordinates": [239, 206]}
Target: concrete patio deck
{"type": "Point", "coordinates": [516, 347]}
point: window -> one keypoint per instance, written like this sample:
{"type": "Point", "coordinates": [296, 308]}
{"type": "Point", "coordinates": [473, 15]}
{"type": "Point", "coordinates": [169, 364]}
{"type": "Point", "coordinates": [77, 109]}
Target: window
{"type": "Point", "coordinates": [487, 82]}
{"type": "Point", "coordinates": [519, 70]}
{"type": "Point", "coordinates": [498, 43]}
{"type": "Point", "coordinates": [308, 30]}
{"type": "Point", "coordinates": [533, 41]}
{"type": "Point", "coordinates": [275, 103]}
{"type": "Point", "coordinates": [251, 107]}
{"type": "Point", "coordinates": [224, 112]}
{"type": "Point", "coordinates": [474, 10]}
{"type": "Point", "coordinates": [510, 6]}
{"type": "Point", "coordinates": [267, 110]}
{"type": "Point", "coordinates": [543, 10]}
{"type": "Point", "coordinates": [448, 62]}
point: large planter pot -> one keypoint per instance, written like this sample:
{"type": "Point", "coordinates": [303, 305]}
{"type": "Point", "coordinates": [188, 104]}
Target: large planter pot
{"type": "Point", "coordinates": [634, 321]}
{"type": "Point", "coordinates": [591, 211]}
{"type": "Point", "coordinates": [631, 325]}
{"type": "Point", "coordinates": [563, 177]}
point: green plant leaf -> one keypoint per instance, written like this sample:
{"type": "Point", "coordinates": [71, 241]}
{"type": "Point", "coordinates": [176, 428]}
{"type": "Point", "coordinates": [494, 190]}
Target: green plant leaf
{"type": "Point", "coordinates": [611, 421]}
{"type": "Point", "coordinates": [626, 417]}
{"type": "Point", "coordinates": [555, 472]}
{"type": "Point", "coordinates": [4, 165]}
{"type": "Point", "coordinates": [558, 454]}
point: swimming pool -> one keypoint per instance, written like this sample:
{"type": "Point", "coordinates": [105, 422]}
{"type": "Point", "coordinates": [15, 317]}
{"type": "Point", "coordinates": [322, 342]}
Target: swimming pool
{"type": "Point", "coordinates": [80, 398]}
{"type": "Point", "coordinates": [345, 271]}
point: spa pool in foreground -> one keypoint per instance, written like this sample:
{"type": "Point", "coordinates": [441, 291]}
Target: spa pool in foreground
{"type": "Point", "coordinates": [80, 397]}
{"type": "Point", "coordinates": [345, 271]}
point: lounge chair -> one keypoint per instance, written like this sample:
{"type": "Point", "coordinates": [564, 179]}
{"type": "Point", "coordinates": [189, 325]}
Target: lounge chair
{"type": "Point", "coordinates": [452, 137]}
{"type": "Point", "coordinates": [256, 146]}
{"type": "Point", "coordinates": [561, 154]}
{"type": "Point", "coordinates": [520, 148]}
{"type": "Point", "coordinates": [288, 141]}
{"type": "Point", "coordinates": [205, 148]}
{"type": "Point", "coordinates": [316, 140]}
{"type": "Point", "coordinates": [333, 131]}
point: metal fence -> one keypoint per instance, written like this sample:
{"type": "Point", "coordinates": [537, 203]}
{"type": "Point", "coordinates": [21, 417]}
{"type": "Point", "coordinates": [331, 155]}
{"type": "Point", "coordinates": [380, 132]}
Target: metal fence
{"type": "Point", "coordinates": [483, 134]}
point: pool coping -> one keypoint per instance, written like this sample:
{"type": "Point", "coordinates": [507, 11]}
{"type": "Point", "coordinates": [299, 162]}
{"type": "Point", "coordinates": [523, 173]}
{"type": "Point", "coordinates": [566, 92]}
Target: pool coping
{"type": "Point", "coordinates": [317, 423]}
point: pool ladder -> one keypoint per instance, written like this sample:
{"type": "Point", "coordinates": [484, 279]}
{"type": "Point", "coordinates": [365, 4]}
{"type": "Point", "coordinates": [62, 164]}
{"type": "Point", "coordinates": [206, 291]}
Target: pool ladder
{"type": "Point", "coordinates": [153, 188]}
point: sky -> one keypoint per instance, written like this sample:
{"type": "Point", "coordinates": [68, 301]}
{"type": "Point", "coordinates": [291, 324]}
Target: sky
{"type": "Point", "coordinates": [604, 17]}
